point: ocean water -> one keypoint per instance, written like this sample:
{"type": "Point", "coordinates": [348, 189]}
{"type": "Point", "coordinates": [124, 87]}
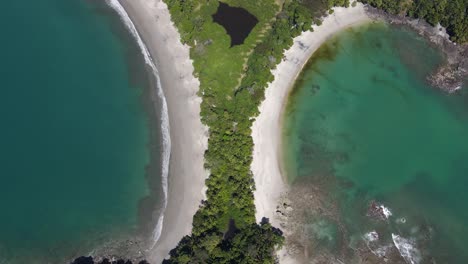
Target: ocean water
{"type": "Point", "coordinates": [386, 151]}
{"type": "Point", "coordinates": [79, 137]}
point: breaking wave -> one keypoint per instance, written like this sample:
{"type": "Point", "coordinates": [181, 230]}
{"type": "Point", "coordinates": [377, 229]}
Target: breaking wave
{"type": "Point", "coordinates": [371, 236]}
{"type": "Point", "coordinates": [372, 241]}
{"type": "Point", "coordinates": [386, 211]}
{"type": "Point", "coordinates": [165, 129]}
{"type": "Point", "coordinates": [407, 249]}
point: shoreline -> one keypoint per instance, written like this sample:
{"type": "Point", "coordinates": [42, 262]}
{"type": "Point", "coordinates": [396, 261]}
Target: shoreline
{"type": "Point", "coordinates": [155, 97]}
{"type": "Point", "coordinates": [188, 137]}
{"type": "Point", "coordinates": [270, 181]}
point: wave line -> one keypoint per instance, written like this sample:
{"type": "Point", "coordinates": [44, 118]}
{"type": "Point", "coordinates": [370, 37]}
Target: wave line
{"type": "Point", "coordinates": [114, 4]}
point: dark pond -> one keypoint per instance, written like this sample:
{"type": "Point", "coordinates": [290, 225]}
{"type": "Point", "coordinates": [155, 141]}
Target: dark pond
{"type": "Point", "coordinates": [237, 21]}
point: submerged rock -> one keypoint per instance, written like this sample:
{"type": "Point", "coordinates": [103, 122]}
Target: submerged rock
{"type": "Point", "coordinates": [448, 78]}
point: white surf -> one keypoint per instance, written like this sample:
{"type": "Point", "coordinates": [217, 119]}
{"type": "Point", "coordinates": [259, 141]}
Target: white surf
{"type": "Point", "coordinates": [165, 129]}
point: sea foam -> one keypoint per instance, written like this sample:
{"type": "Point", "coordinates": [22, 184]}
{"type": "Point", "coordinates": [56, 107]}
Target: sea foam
{"type": "Point", "coordinates": [165, 129]}
{"type": "Point", "coordinates": [407, 249]}
{"type": "Point", "coordinates": [371, 236]}
{"type": "Point", "coordinates": [372, 241]}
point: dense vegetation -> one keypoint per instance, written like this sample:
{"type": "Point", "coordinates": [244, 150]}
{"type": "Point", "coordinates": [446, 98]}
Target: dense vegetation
{"type": "Point", "coordinates": [232, 84]}
{"type": "Point", "coordinates": [452, 14]}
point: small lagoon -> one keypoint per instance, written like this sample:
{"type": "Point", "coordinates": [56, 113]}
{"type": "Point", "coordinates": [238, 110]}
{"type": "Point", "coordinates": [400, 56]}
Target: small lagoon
{"type": "Point", "coordinates": [237, 22]}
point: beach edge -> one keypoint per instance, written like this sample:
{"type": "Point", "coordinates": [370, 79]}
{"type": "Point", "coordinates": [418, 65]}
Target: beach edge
{"type": "Point", "coordinates": [266, 166]}
{"type": "Point", "coordinates": [189, 140]}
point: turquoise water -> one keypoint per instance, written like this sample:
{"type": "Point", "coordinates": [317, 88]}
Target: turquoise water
{"type": "Point", "coordinates": [363, 124]}
{"type": "Point", "coordinates": [75, 130]}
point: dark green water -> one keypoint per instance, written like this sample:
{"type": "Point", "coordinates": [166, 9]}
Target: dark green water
{"type": "Point", "coordinates": [75, 130]}
{"type": "Point", "coordinates": [364, 125]}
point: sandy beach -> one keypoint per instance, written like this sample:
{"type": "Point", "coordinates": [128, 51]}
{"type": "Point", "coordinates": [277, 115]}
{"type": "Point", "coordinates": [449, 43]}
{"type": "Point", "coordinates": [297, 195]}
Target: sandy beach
{"type": "Point", "coordinates": [266, 130]}
{"type": "Point", "coordinates": [188, 136]}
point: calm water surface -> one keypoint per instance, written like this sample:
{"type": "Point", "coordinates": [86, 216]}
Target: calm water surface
{"type": "Point", "coordinates": [74, 135]}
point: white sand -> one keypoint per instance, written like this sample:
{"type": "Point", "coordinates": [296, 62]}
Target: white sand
{"type": "Point", "coordinates": [188, 135]}
{"type": "Point", "coordinates": [266, 130]}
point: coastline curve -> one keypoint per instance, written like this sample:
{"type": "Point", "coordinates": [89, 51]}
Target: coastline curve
{"type": "Point", "coordinates": [165, 128]}
{"type": "Point", "coordinates": [270, 182]}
